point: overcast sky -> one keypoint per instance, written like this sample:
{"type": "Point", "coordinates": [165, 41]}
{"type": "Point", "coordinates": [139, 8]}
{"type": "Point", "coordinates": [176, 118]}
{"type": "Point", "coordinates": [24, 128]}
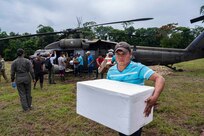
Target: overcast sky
{"type": "Point", "coordinates": [21, 16]}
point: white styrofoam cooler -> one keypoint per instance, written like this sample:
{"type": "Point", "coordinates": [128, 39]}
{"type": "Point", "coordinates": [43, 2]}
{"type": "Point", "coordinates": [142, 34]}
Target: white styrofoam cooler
{"type": "Point", "coordinates": [117, 105]}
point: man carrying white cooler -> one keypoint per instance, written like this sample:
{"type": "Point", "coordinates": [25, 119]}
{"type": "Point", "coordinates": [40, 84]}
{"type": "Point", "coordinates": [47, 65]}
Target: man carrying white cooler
{"type": "Point", "coordinates": [131, 72]}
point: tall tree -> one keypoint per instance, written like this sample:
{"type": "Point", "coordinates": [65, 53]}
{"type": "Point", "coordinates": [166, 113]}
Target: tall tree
{"type": "Point", "coordinates": [87, 31]}
{"type": "Point", "coordinates": [3, 44]}
{"type": "Point", "coordinates": [45, 40]}
{"type": "Point", "coordinates": [102, 32]}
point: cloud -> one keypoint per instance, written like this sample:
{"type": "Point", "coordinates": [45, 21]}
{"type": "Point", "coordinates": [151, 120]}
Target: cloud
{"type": "Point", "coordinates": [24, 16]}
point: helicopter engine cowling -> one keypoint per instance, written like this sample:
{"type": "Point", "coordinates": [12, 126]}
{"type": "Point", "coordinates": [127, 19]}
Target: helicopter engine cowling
{"type": "Point", "coordinates": [70, 43]}
{"type": "Point", "coordinates": [85, 45]}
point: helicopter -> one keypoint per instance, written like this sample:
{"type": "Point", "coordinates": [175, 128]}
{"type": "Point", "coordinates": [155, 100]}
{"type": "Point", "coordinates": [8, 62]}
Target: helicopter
{"type": "Point", "coordinates": [145, 55]}
{"type": "Point", "coordinates": [74, 46]}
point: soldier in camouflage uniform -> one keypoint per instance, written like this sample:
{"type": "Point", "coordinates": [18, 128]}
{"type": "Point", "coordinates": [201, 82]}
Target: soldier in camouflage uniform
{"type": "Point", "coordinates": [3, 69]}
{"type": "Point", "coordinates": [21, 73]}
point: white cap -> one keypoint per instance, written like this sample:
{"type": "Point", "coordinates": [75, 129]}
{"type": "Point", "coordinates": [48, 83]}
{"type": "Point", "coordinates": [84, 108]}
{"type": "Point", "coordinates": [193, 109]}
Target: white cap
{"type": "Point", "coordinates": [88, 52]}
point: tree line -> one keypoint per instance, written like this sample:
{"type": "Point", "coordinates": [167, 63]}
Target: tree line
{"type": "Point", "coordinates": [167, 36]}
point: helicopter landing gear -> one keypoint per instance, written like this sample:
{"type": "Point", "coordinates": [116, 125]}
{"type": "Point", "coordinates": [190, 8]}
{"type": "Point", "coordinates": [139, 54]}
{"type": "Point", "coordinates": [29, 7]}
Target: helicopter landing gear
{"type": "Point", "coordinates": [174, 68]}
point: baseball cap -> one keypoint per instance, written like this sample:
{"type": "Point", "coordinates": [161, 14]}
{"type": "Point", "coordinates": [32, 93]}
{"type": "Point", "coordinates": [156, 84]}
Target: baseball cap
{"type": "Point", "coordinates": [123, 46]}
{"type": "Point", "coordinates": [110, 50]}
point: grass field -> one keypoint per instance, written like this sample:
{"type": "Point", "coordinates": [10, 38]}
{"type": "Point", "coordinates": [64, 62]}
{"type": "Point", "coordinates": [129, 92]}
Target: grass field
{"type": "Point", "coordinates": [180, 109]}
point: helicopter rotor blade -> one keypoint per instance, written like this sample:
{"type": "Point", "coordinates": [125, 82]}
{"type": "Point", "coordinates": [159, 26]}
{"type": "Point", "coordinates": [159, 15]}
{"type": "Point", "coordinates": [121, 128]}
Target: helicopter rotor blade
{"type": "Point", "coordinates": [32, 35]}
{"type": "Point", "coordinates": [197, 19]}
{"type": "Point", "coordinates": [70, 31]}
{"type": "Point", "coordinates": [132, 20]}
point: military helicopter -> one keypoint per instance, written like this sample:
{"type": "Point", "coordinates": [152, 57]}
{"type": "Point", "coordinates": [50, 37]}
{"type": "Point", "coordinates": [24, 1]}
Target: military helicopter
{"type": "Point", "coordinates": [75, 46]}
{"type": "Point", "coordinates": [145, 55]}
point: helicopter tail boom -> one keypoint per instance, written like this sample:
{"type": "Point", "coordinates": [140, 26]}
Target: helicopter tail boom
{"type": "Point", "coordinates": [197, 43]}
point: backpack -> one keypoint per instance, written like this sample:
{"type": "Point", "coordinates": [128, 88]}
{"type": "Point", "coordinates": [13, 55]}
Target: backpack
{"type": "Point", "coordinates": [48, 64]}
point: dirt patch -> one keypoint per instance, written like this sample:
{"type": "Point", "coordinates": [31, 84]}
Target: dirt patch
{"type": "Point", "coordinates": [162, 70]}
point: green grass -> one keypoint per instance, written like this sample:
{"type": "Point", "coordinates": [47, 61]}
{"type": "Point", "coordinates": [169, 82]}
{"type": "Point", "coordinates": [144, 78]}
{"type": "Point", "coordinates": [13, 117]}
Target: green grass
{"type": "Point", "coordinates": [180, 109]}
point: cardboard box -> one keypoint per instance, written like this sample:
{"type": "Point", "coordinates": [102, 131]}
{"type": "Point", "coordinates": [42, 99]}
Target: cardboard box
{"type": "Point", "coordinates": [105, 65]}
{"type": "Point", "coordinates": [117, 105]}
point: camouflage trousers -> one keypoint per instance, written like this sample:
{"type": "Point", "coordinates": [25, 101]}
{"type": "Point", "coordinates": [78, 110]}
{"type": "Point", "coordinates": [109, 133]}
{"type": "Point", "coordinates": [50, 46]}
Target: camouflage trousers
{"type": "Point", "coordinates": [3, 73]}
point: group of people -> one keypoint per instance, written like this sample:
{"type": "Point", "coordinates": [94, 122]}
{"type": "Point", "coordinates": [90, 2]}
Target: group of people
{"type": "Point", "coordinates": [104, 63]}
{"type": "Point", "coordinates": [23, 71]}
{"type": "Point", "coordinates": [101, 62]}
{"type": "Point", "coordinates": [124, 70]}
{"type": "Point", "coordinates": [40, 65]}
{"type": "Point", "coordinates": [78, 63]}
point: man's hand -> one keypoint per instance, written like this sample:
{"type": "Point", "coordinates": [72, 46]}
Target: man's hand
{"type": "Point", "coordinates": [150, 102]}
{"type": "Point", "coordinates": [159, 86]}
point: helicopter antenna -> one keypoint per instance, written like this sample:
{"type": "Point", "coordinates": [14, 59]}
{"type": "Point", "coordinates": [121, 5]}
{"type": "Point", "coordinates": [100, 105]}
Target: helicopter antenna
{"type": "Point", "coordinates": [79, 21]}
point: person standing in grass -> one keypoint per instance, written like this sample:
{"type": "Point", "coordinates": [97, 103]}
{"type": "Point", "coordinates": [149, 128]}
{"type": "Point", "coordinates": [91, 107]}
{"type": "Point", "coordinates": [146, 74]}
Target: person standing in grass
{"type": "Point", "coordinates": [90, 61]}
{"type": "Point", "coordinates": [21, 73]}
{"type": "Point", "coordinates": [81, 64]}
{"type": "Point", "coordinates": [99, 61]}
{"type": "Point", "coordinates": [62, 66]}
{"type": "Point", "coordinates": [128, 71]}
{"type": "Point", "coordinates": [49, 64]}
{"type": "Point", "coordinates": [2, 69]}
{"type": "Point", "coordinates": [38, 70]}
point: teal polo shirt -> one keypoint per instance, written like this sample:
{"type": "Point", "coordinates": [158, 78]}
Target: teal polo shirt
{"type": "Point", "coordinates": [134, 73]}
{"type": "Point", "coordinates": [80, 60]}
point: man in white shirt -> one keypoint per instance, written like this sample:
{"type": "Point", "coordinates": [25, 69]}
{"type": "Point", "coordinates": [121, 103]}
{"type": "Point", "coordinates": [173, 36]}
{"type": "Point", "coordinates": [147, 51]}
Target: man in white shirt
{"type": "Point", "coordinates": [51, 72]}
{"type": "Point", "coordinates": [62, 65]}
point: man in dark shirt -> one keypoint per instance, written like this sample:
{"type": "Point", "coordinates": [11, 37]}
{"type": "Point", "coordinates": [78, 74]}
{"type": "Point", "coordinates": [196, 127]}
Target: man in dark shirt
{"type": "Point", "coordinates": [38, 70]}
{"type": "Point", "coordinates": [21, 69]}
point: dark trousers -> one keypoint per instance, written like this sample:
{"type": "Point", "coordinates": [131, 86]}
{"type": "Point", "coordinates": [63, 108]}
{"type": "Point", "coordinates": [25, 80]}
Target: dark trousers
{"type": "Point", "coordinates": [51, 74]}
{"type": "Point", "coordinates": [80, 68]}
{"type": "Point", "coordinates": [24, 91]}
{"type": "Point", "coordinates": [62, 74]}
{"type": "Point", "coordinates": [137, 133]}
{"type": "Point", "coordinates": [90, 70]}
{"type": "Point", "coordinates": [76, 72]}
{"type": "Point", "coordinates": [98, 73]}
{"type": "Point", "coordinates": [39, 76]}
